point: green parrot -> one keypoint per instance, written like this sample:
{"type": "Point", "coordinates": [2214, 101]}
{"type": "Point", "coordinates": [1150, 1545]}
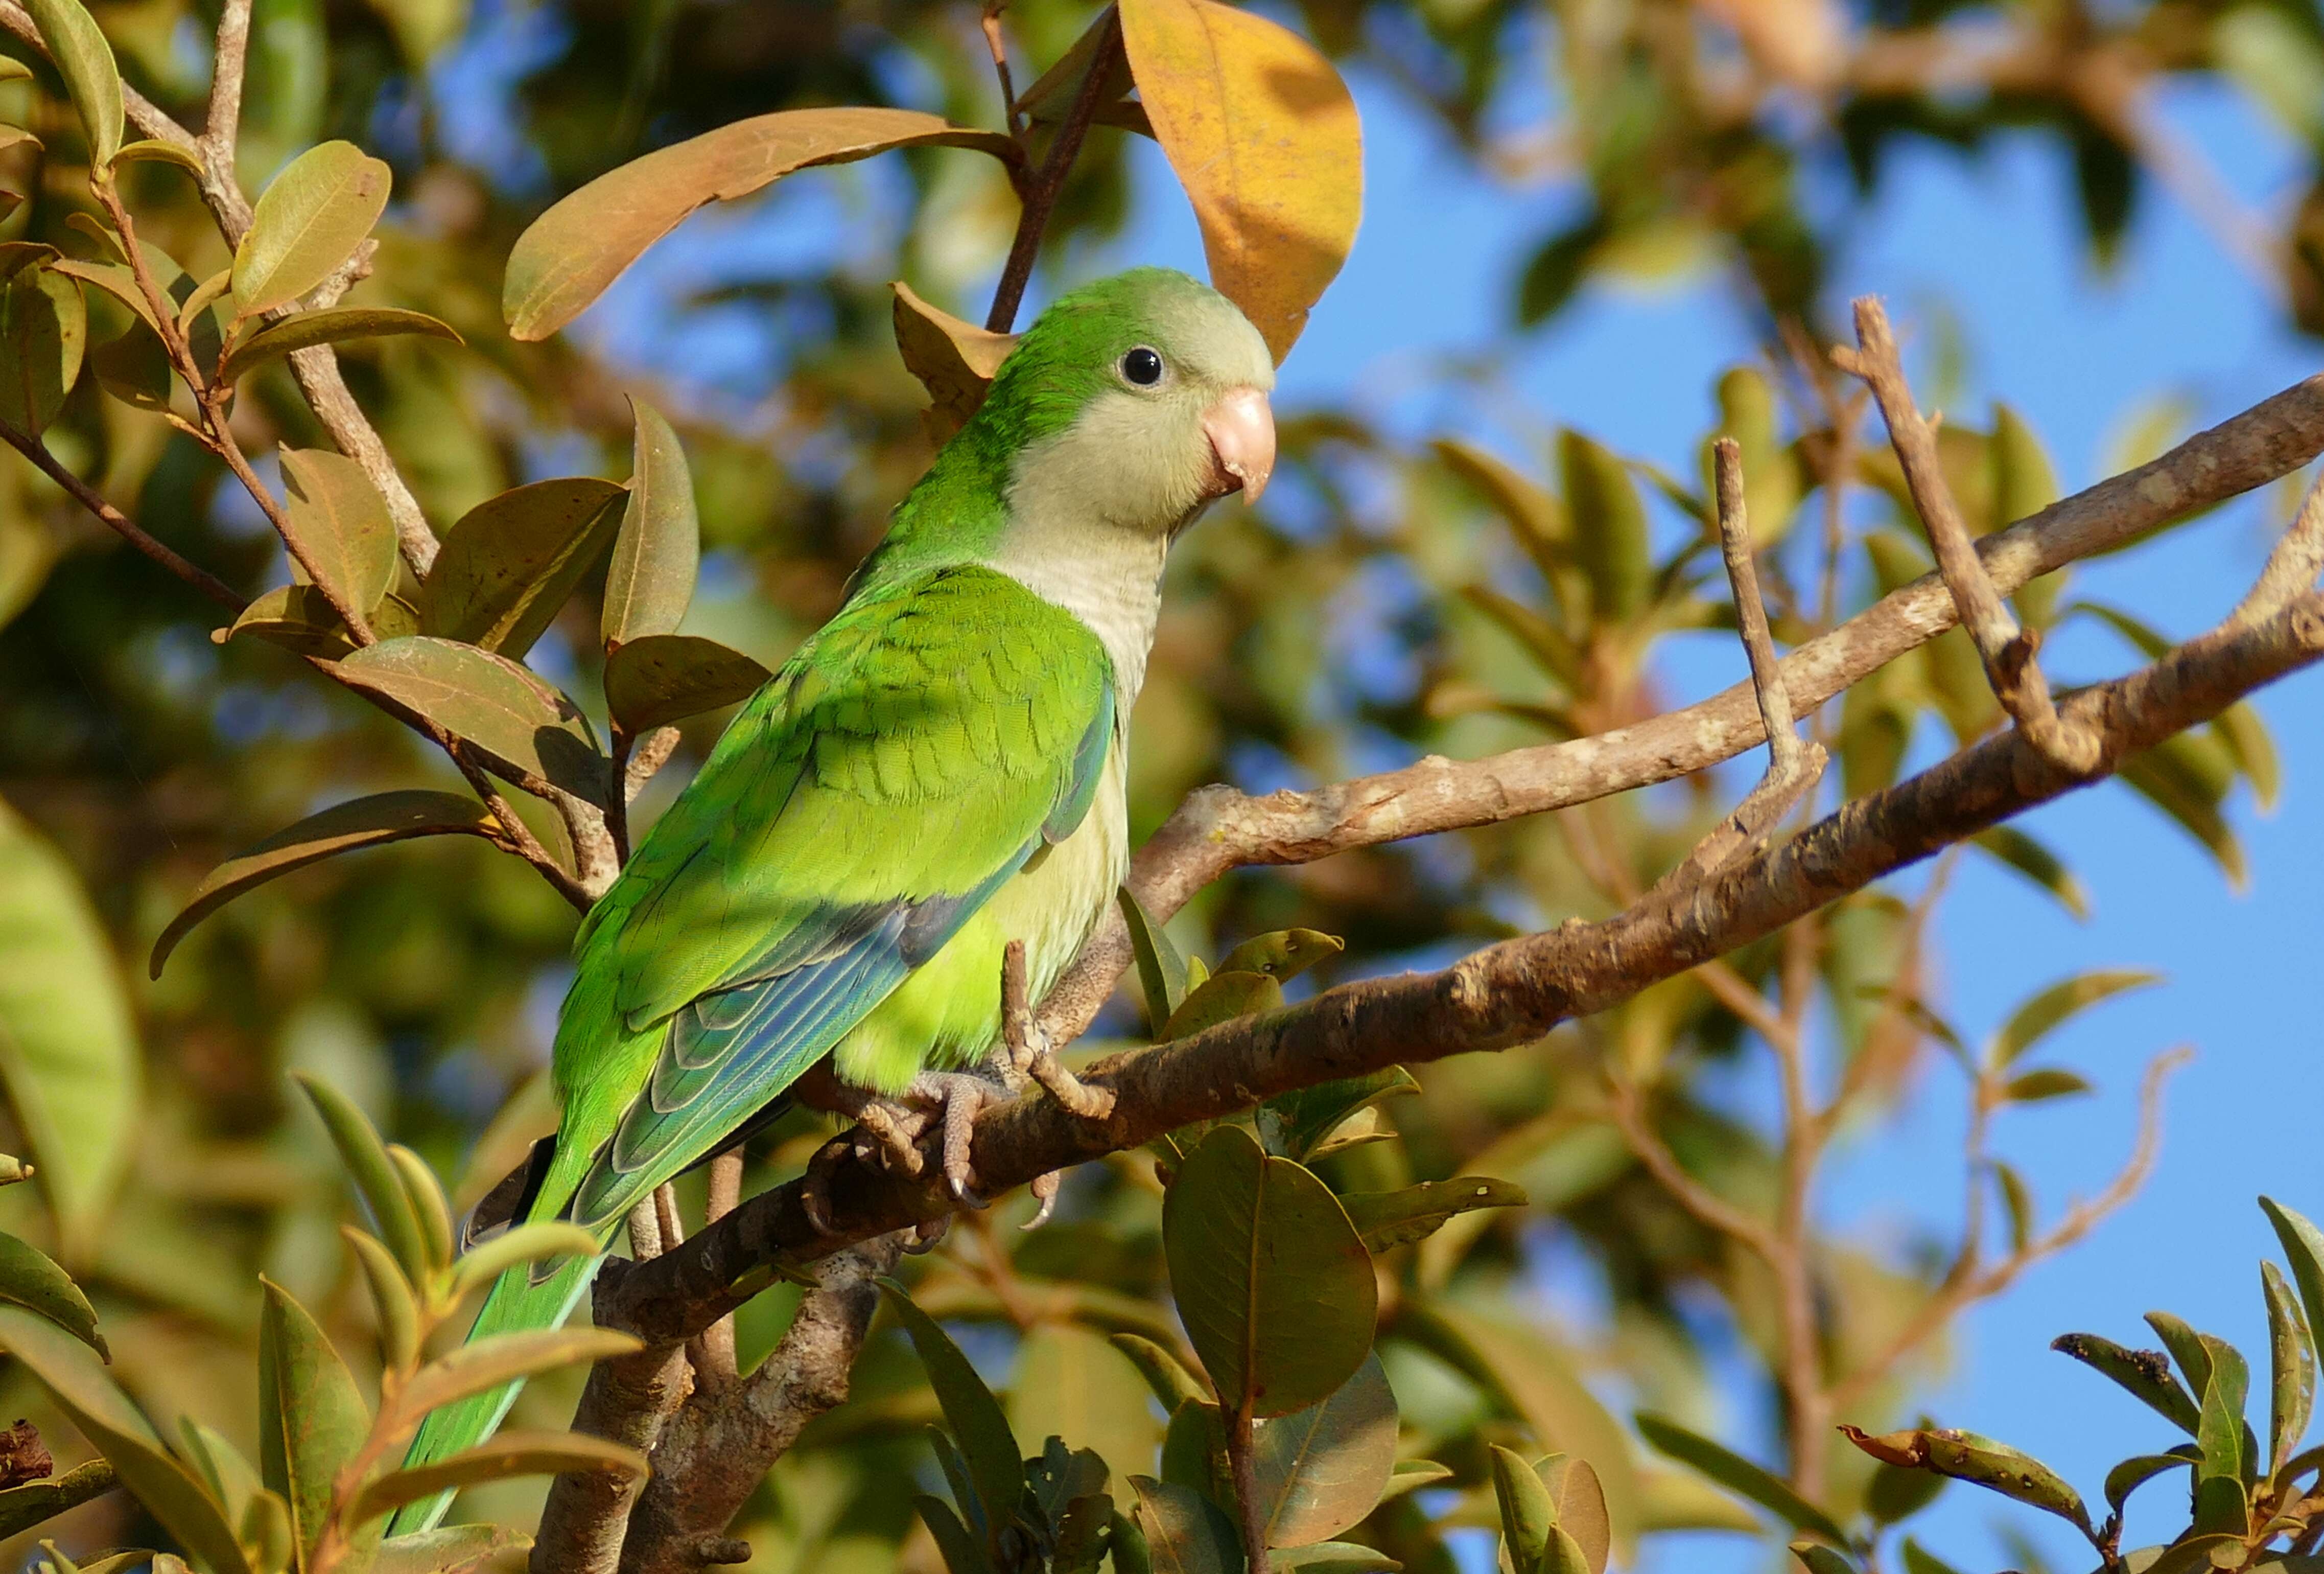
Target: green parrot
{"type": "Point", "coordinates": [936, 771]}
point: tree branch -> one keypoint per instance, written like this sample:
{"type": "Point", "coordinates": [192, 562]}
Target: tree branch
{"type": "Point", "coordinates": [1040, 195]}
{"type": "Point", "coordinates": [120, 524]}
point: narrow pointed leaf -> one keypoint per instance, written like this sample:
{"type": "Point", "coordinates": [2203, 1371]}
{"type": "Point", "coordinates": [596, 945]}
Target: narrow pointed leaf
{"type": "Point", "coordinates": [996, 1461]}
{"type": "Point", "coordinates": [1528, 1514]}
{"type": "Point", "coordinates": [344, 827]}
{"type": "Point", "coordinates": [1342, 1557]}
{"type": "Point", "coordinates": [1394, 1219]}
{"type": "Point", "coordinates": [336, 325]}
{"type": "Point", "coordinates": [152, 152]}
{"type": "Point", "coordinates": [2145, 1375]}
{"type": "Point", "coordinates": [392, 1297]}
{"type": "Point", "coordinates": [1172, 1384]}
{"type": "Point", "coordinates": [1610, 527]}
{"type": "Point", "coordinates": [1966, 1457]}
{"type": "Point", "coordinates": [511, 561]}
{"type": "Point", "coordinates": [23, 1508]}
{"type": "Point", "coordinates": [2131, 1474]}
{"type": "Point", "coordinates": [1297, 1123]}
{"type": "Point", "coordinates": [1221, 997]}
{"type": "Point", "coordinates": [962, 1553]}
{"type": "Point", "coordinates": [2220, 1433]}
{"type": "Point", "coordinates": [520, 724]}
{"type": "Point", "coordinates": [2059, 1004]}
{"type": "Point", "coordinates": [1161, 969]}
{"type": "Point", "coordinates": [662, 678]}
{"type": "Point", "coordinates": [586, 240]}
{"type": "Point", "coordinates": [2291, 1370]}
{"type": "Point", "coordinates": [509, 1454]}
{"type": "Point", "coordinates": [298, 617]}
{"type": "Point", "coordinates": [658, 550]}
{"type": "Point", "coordinates": [307, 221]}
{"type": "Point", "coordinates": [2187, 1347]}
{"type": "Point", "coordinates": [466, 1549]}
{"type": "Point", "coordinates": [32, 1281]}
{"type": "Point", "coordinates": [1272, 1281]}
{"type": "Point", "coordinates": [483, 1364]}
{"type": "Point", "coordinates": [1819, 1558]}
{"type": "Point", "coordinates": [86, 62]}
{"type": "Point", "coordinates": [1739, 1476]}
{"type": "Point", "coordinates": [525, 1243]}
{"type": "Point", "coordinates": [2016, 850]}
{"type": "Point", "coordinates": [2303, 1252]}
{"type": "Point", "coordinates": [373, 1172]}
{"type": "Point", "coordinates": [311, 1417]}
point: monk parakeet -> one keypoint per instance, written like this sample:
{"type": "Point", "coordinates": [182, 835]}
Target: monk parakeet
{"type": "Point", "coordinates": [937, 772]}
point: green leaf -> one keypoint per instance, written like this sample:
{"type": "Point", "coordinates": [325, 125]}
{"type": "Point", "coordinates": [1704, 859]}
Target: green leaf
{"type": "Point", "coordinates": [1297, 1123]}
{"type": "Point", "coordinates": [1979, 1461]}
{"type": "Point", "coordinates": [1919, 1559]}
{"type": "Point", "coordinates": [962, 1552]}
{"type": "Point", "coordinates": [2304, 1251]}
{"type": "Point", "coordinates": [115, 278]}
{"type": "Point", "coordinates": [1184, 1532]}
{"type": "Point", "coordinates": [466, 1549]}
{"type": "Point", "coordinates": [68, 1055]}
{"type": "Point", "coordinates": [511, 561]}
{"type": "Point", "coordinates": [391, 1295]}
{"type": "Point", "coordinates": [508, 1454]}
{"type": "Point", "coordinates": [521, 726]}
{"type": "Point", "coordinates": [2187, 1347]}
{"type": "Point", "coordinates": [1069, 1383]}
{"type": "Point", "coordinates": [2131, 1474]}
{"type": "Point", "coordinates": [658, 549]}
{"type": "Point", "coordinates": [996, 1462]}
{"type": "Point", "coordinates": [343, 522]}
{"type": "Point", "coordinates": [428, 1206]}
{"type": "Point", "coordinates": [2186, 776]}
{"type": "Point", "coordinates": [1895, 1493]}
{"type": "Point", "coordinates": [2053, 1007]}
{"type": "Point", "coordinates": [1272, 1281]}
{"type": "Point", "coordinates": [1161, 970]}
{"type": "Point", "coordinates": [2219, 1434]}
{"type": "Point", "coordinates": [308, 220]}
{"type": "Point", "coordinates": [1739, 1476]}
{"type": "Point", "coordinates": [483, 1364]}
{"type": "Point", "coordinates": [1284, 954]}
{"type": "Point", "coordinates": [23, 1508]}
{"type": "Point", "coordinates": [43, 335]}
{"type": "Point", "coordinates": [2291, 1370]}
{"type": "Point", "coordinates": [1610, 527]}
{"type": "Point", "coordinates": [1172, 1384]}
{"type": "Point", "coordinates": [85, 61]}
{"type": "Point", "coordinates": [153, 151]}
{"type": "Point", "coordinates": [1348, 1557]}
{"type": "Point", "coordinates": [2043, 1082]}
{"type": "Point", "coordinates": [656, 679]}
{"type": "Point", "coordinates": [2145, 1375]}
{"type": "Point", "coordinates": [311, 1418]}
{"type": "Point", "coordinates": [1194, 1451]}
{"type": "Point", "coordinates": [2239, 731]}
{"type": "Point", "coordinates": [1221, 997]}
{"type": "Point", "coordinates": [525, 1243]}
{"type": "Point", "coordinates": [1534, 516]}
{"type": "Point", "coordinates": [1412, 1475]}
{"type": "Point", "coordinates": [298, 617]}
{"type": "Point", "coordinates": [1321, 1470]}
{"type": "Point", "coordinates": [1528, 1513]}
{"type": "Point", "coordinates": [334, 325]}
{"type": "Point", "coordinates": [373, 1172]}
{"type": "Point", "coordinates": [2016, 850]}
{"type": "Point", "coordinates": [570, 253]}
{"type": "Point", "coordinates": [32, 1281]}
{"type": "Point", "coordinates": [71, 1374]}
{"type": "Point", "coordinates": [1396, 1218]}
{"type": "Point", "coordinates": [344, 827]}
{"type": "Point", "coordinates": [1819, 1558]}
{"type": "Point", "coordinates": [135, 368]}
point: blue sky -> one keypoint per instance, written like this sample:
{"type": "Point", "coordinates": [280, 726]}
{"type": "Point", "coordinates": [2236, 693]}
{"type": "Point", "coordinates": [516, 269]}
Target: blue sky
{"type": "Point", "coordinates": [2080, 353]}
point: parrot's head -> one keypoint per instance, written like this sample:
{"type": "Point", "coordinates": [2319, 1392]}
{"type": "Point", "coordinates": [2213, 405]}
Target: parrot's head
{"type": "Point", "coordinates": [1135, 401]}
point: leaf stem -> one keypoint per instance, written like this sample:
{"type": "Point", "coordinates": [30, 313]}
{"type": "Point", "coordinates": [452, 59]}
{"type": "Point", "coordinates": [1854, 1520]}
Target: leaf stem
{"type": "Point", "coordinates": [1041, 195]}
{"type": "Point", "coordinates": [120, 524]}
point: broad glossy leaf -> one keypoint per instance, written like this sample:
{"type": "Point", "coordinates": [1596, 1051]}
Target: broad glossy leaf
{"type": "Point", "coordinates": [658, 550]}
{"type": "Point", "coordinates": [2016, 850]}
{"type": "Point", "coordinates": [1528, 1516]}
{"type": "Point", "coordinates": [511, 560]}
{"type": "Point", "coordinates": [308, 220]}
{"type": "Point", "coordinates": [1062, 1476]}
{"type": "Point", "coordinates": [2219, 1432]}
{"type": "Point", "coordinates": [299, 618]}
{"type": "Point", "coordinates": [520, 724]}
{"type": "Point", "coordinates": [344, 523]}
{"type": "Point", "coordinates": [1161, 968]}
{"type": "Point", "coordinates": [525, 1243]}
{"type": "Point", "coordinates": [86, 62]}
{"type": "Point", "coordinates": [43, 335]}
{"type": "Point", "coordinates": [23, 1508]}
{"type": "Point", "coordinates": [506, 1454]}
{"type": "Point", "coordinates": [2187, 1347]}
{"type": "Point", "coordinates": [1184, 1532]}
{"type": "Point", "coordinates": [1610, 527]}
{"type": "Point", "coordinates": [1282, 955]}
{"type": "Point", "coordinates": [1221, 997]}
{"type": "Point", "coordinates": [1966, 1457]}
{"type": "Point", "coordinates": [344, 827]}
{"type": "Point", "coordinates": [305, 330]}
{"type": "Point", "coordinates": [1321, 1470]}
{"type": "Point", "coordinates": [1396, 1218]}
{"type": "Point", "coordinates": [466, 1549]}
{"type": "Point", "coordinates": [1739, 1476]}
{"type": "Point", "coordinates": [2291, 1368]}
{"type": "Point", "coordinates": [1297, 1123]}
{"type": "Point", "coordinates": [1580, 1500]}
{"type": "Point", "coordinates": [483, 1364]}
{"type": "Point", "coordinates": [1264, 137]}
{"type": "Point", "coordinates": [311, 1417]}
{"type": "Point", "coordinates": [996, 1462]}
{"type": "Point", "coordinates": [2055, 1007]}
{"type": "Point", "coordinates": [662, 678]}
{"type": "Point", "coordinates": [135, 368]}
{"type": "Point", "coordinates": [373, 1172]}
{"type": "Point", "coordinates": [175, 1497]}
{"type": "Point", "coordinates": [2145, 1375]}
{"type": "Point", "coordinates": [955, 361]}
{"type": "Point", "coordinates": [1070, 1382]}
{"type": "Point", "coordinates": [1272, 1281]}
{"type": "Point", "coordinates": [32, 1282]}
{"type": "Point", "coordinates": [565, 260]}
{"type": "Point", "coordinates": [153, 151]}
{"type": "Point", "coordinates": [1172, 1384]}
{"type": "Point", "coordinates": [115, 278]}
{"type": "Point", "coordinates": [68, 1055]}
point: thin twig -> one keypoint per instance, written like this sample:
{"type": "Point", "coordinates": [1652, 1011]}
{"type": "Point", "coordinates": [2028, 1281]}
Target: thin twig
{"type": "Point", "coordinates": [1710, 1209]}
{"type": "Point", "coordinates": [1040, 195]}
{"type": "Point", "coordinates": [1751, 613]}
{"type": "Point", "coordinates": [2295, 562]}
{"type": "Point", "coordinates": [199, 578]}
{"type": "Point", "coordinates": [999, 47]}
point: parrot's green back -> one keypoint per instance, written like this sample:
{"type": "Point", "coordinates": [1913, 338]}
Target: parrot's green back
{"type": "Point", "coordinates": [934, 773]}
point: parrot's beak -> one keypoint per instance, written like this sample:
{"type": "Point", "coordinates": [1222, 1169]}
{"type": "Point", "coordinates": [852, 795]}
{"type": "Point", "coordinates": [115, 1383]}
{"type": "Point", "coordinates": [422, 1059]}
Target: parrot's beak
{"type": "Point", "coordinates": [1242, 429]}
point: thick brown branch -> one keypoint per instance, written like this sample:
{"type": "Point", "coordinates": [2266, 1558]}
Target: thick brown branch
{"type": "Point", "coordinates": [1219, 828]}
{"type": "Point", "coordinates": [1508, 994]}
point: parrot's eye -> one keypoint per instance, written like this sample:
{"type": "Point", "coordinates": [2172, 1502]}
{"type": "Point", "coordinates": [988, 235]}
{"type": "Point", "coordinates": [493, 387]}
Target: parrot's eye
{"type": "Point", "coordinates": [1142, 366]}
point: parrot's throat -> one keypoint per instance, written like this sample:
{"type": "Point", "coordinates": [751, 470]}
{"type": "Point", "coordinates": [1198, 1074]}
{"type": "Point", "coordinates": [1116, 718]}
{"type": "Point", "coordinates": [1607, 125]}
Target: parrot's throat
{"type": "Point", "coordinates": [1110, 579]}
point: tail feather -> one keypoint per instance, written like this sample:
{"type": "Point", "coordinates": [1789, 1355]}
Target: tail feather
{"type": "Point", "coordinates": [513, 1303]}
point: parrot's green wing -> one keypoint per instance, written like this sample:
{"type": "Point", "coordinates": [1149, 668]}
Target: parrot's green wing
{"type": "Point", "coordinates": [898, 770]}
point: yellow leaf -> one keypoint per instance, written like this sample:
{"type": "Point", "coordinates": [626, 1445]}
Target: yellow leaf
{"type": "Point", "coordinates": [955, 360]}
{"type": "Point", "coordinates": [1264, 137]}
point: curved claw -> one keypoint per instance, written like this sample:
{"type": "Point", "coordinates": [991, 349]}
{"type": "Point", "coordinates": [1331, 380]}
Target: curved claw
{"type": "Point", "coordinates": [1045, 1189]}
{"type": "Point", "coordinates": [814, 1186]}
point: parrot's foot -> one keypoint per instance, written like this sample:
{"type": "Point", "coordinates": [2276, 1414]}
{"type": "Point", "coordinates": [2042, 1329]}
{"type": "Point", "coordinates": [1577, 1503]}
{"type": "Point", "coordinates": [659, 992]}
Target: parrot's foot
{"type": "Point", "coordinates": [1044, 1191]}
{"type": "Point", "coordinates": [815, 1184]}
{"type": "Point", "coordinates": [945, 1101]}
{"type": "Point", "coordinates": [928, 1235]}
{"type": "Point", "coordinates": [1041, 1064]}
{"type": "Point", "coordinates": [1027, 1053]}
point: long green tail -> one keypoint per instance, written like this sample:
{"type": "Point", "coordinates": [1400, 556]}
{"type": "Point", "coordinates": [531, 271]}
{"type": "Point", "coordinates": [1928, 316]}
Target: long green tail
{"type": "Point", "coordinates": [513, 1303]}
